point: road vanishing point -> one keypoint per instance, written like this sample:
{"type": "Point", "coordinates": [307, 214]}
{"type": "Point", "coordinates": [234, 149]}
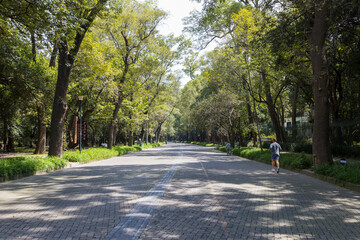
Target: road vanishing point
{"type": "Point", "coordinates": [177, 191]}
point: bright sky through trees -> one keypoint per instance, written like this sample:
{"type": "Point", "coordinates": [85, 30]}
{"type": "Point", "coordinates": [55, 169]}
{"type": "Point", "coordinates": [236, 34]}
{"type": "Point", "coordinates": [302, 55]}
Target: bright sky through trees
{"type": "Point", "coordinates": [177, 10]}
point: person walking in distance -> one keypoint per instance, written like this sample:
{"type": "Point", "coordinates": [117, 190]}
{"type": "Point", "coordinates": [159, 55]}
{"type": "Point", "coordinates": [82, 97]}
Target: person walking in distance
{"type": "Point", "coordinates": [228, 149]}
{"type": "Point", "coordinates": [275, 155]}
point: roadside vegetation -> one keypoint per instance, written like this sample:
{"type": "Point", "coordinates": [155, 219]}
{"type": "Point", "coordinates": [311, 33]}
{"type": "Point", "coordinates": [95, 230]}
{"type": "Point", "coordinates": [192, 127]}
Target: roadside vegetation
{"type": "Point", "coordinates": [349, 172]}
{"type": "Point", "coordinates": [204, 144]}
{"type": "Point", "coordinates": [104, 67]}
{"type": "Point", "coordinates": [31, 164]}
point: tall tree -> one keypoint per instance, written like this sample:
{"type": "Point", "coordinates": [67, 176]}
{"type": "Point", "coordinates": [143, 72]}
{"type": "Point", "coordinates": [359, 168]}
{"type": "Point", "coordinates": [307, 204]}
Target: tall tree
{"type": "Point", "coordinates": [130, 32]}
{"type": "Point", "coordinates": [317, 26]}
{"type": "Point", "coordinates": [67, 55]}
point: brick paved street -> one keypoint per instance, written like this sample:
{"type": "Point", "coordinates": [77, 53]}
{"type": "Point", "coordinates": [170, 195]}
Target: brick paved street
{"type": "Point", "coordinates": [177, 191]}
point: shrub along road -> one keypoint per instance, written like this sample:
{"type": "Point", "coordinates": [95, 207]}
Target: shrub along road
{"type": "Point", "coordinates": [177, 191]}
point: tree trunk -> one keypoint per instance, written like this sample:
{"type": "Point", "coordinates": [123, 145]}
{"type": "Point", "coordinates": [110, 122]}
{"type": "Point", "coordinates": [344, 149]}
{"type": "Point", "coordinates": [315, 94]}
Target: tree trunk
{"type": "Point", "coordinates": [41, 142]}
{"type": "Point", "coordinates": [72, 131]}
{"type": "Point", "coordinates": [316, 38]}
{"type": "Point", "coordinates": [5, 133]}
{"type": "Point", "coordinates": [112, 132]}
{"type": "Point", "coordinates": [336, 101]}
{"type": "Point", "coordinates": [11, 142]}
{"type": "Point", "coordinates": [59, 105]}
{"type": "Point", "coordinates": [131, 138]}
{"type": "Point", "coordinates": [250, 115]}
{"type": "Point", "coordinates": [231, 137]}
{"type": "Point", "coordinates": [294, 112]}
{"type": "Point", "coordinates": [142, 134]}
{"type": "Point", "coordinates": [66, 62]}
{"type": "Point", "coordinates": [54, 54]}
{"type": "Point", "coordinates": [272, 112]}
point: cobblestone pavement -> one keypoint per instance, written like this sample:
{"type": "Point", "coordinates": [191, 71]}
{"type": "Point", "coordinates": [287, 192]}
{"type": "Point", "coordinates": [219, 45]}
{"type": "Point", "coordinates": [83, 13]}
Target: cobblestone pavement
{"type": "Point", "coordinates": [177, 191]}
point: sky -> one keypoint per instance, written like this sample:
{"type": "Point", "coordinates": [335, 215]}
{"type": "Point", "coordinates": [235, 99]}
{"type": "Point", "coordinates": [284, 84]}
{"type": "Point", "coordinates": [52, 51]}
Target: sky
{"type": "Point", "coordinates": [177, 10]}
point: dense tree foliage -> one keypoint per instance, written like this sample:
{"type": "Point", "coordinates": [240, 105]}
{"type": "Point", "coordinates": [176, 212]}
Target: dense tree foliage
{"type": "Point", "coordinates": [288, 64]}
{"type": "Point", "coordinates": [284, 69]}
{"type": "Point", "coordinates": [52, 52]}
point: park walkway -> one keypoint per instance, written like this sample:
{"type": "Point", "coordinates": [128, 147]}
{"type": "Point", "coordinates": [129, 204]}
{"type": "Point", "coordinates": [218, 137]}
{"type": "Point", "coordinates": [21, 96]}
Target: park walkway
{"type": "Point", "coordinates": [178, 191]}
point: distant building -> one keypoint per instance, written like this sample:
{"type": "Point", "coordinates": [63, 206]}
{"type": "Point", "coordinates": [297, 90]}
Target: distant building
{"type": "Point", "coordinates": [299, 121]}
{"type": "Point", "coordinates": [303, 126]}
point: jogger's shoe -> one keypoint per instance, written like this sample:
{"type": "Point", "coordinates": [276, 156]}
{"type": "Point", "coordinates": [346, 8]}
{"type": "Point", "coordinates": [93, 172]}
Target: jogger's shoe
{"type": "Point", "coordinates": [278, 170]}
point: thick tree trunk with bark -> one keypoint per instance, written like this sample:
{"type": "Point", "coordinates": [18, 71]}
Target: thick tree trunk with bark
{"type": "Point", "coordinates": [112, 127]}
{"type": "Point", "coordinates": [59, 105]}
{"type": "Point", "coordinates": [41, 142]}
{"type": "Point", "coordinates": [66, 62]}
{"type": "Point", "coordinates": [11, 142]}
{"type": "Point", "coordinates": [316, 37]}
{"type": "Point", "coordinates": [72, 130]}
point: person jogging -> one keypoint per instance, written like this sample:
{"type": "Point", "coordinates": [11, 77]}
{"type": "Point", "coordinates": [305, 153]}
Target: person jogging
{"type": "Point", "coordinates": [275, 155]}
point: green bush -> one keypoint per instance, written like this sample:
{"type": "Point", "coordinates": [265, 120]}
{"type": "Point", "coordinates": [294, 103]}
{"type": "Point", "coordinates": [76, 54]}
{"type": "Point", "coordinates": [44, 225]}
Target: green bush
{"type": "Point", "coordinates": [204, 144]}
{"type": "Point", "coordinates": [121, 150]}
{"type": "Point", "coordinates": [349, 172]}
{"type": "Point", "coordinates": [90, 154]}
{"type": "Point", "coordinates": [152, 145]}
{"type": "Point", "coordinates": [222, 148]}
{"type": "Point", "coordinates": [345, 151]}
{"type": "Point", "coordinates": [296, 160]}
{"type": "Point", "coordinates": [10, 167]}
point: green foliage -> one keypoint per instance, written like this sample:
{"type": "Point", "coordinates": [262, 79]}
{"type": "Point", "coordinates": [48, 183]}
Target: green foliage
{"type": "Point", "coordinates": [10, 167]}
{"type": "Point", "coordinates": [349, 172]}
{"type": "Point", "coordinates": [297, 160]}
{"type": "Point", "coordinates": [204, 144]}
{"type": "Point", "coordinates": [346, 151]}
{"type": "Point", "coordinates": [121, 150]}
{"type": "Point", "coordinates": [152, 145]}
{"type": "Point", "coordinates": [91, 154]}
{"type": "Point", "coordinates": [28, 165]}
{"type": "Point", "coordinates": [223, 149]}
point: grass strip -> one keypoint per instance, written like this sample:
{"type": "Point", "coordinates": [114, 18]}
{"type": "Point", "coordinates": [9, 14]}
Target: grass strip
{"type": "Point", "coordinates": [21, 165]}
{"type": "Point", "coordinates": [349, 172]}
{"type": "Point", "coordinates": [29, 165]}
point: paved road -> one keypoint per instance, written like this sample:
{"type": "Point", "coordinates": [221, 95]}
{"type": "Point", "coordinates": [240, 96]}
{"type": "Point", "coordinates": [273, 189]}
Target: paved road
{"type": "Point", "coordinates": [177, 191]}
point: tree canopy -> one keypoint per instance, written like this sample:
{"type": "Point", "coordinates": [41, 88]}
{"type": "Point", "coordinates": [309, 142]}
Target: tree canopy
{"type": "Point", "coordinates": [284, 69]}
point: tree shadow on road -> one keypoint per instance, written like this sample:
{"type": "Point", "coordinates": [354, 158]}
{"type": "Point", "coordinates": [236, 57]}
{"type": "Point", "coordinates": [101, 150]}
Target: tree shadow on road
{"type": "Point", "coordinates": [212, 196]}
